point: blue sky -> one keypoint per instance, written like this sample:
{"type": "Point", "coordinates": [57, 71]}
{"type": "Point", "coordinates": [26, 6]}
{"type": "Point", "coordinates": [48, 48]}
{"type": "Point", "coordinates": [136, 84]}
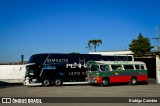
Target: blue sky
{"type": "Point", "coordinates": [63, 26]}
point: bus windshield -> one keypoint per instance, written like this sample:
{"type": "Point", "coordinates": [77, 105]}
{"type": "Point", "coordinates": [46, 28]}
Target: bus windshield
{"type": "Point", "coordinates": [31, 70]}
{"type": "Point", "coordinates": [94, 68]}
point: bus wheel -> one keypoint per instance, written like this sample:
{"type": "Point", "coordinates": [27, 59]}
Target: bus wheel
{"type": "Point", "coordinates": [58, 82]}
{"type": "Point", "coordinates": [105, 82]}
{"type": "Point", "coordinates": [133, 81]}
{"type": "Point", "coordinates": [46, 82]}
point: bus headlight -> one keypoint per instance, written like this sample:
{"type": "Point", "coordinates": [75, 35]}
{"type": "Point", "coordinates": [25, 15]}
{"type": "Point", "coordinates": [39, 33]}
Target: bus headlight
{"type": "Point", "coordinates": [97, 74]}
{"type": "Point", "coordinates": [27, 78]}
{"type": "Point", "coordinates": [34, 80]}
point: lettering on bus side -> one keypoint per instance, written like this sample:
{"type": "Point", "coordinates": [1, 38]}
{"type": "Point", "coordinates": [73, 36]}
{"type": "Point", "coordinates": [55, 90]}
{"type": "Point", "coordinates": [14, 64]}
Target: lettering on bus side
{"type": "Point", "coordinates": [81, 64]}
{"type": "Point", "coordinates": [82, 60]}
{"type": "Point", "coordinates": [76, 65]}
{"type": "Point", "coordinates": [57, 60]}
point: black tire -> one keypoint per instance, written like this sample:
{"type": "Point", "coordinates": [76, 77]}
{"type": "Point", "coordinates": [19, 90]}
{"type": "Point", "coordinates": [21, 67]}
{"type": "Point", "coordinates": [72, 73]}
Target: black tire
{"type": "Point", "coordinates": [46, 82]}
{"type": "Point", "coordinates": [105, 82]}
{"type": "Point", "coordinates": [58, 82]}
{"type": "Point", "coordinates": [133, 81]}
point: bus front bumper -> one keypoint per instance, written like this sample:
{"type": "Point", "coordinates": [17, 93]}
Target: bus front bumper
{"type": "Point", "coordinates": [96, 79]}
{"type": "Point", "coordinates": [91, 80]}
{"type": "Point", "coordinates": [27, 83]}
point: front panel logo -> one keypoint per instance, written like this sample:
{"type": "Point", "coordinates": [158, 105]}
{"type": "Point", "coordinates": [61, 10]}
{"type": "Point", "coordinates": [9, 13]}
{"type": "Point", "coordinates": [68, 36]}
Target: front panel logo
{"type": "Point", "coordinates": [6, 100]}
{"type": "Point", "coordinates": [79, 65]}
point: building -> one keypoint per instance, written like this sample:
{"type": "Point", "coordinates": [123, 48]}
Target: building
{"type": "Point", "coordinates": [118, 52]}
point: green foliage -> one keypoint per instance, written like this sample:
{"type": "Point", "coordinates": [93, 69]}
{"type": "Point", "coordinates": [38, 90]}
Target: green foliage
{"type": "Point", "coordinates": [94, 43]}
{"type": "Point", "coordinates": [140, 46]}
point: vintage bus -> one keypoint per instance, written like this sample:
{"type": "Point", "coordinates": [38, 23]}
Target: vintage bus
{"type": "Point", "coordinates": [106, 72]}
{"type": "Point", "coordinates": [58, 69]}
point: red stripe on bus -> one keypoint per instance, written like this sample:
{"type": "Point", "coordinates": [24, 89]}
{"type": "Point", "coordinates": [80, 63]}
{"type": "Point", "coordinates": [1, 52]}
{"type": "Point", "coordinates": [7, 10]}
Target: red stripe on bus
{"type": "Point", "coordinates": [99, 79]}
{"type": "Point", "coordinates": [142, 78]}
{"type": "Point", "coordinates": [115, 79]}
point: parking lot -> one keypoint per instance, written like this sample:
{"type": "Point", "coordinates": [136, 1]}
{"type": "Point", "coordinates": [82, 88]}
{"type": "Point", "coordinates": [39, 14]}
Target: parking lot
{"type": "Point", "coordinates": [124, 90]}
{"type": "Point", "coordinates": [150, 90]}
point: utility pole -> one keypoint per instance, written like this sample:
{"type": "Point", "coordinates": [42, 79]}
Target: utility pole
{"type": "Point", "coordinates": [156, 38]}
{"type": "Point", "coordinates": [22, 58]}
{"type": "Point", "coordinates": [157, 58]}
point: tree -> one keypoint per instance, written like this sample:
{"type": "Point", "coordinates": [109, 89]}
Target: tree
{"type": "Point", "coordinates": [140, 45]}
{"type": "Point", "coordinates": [94, 43]}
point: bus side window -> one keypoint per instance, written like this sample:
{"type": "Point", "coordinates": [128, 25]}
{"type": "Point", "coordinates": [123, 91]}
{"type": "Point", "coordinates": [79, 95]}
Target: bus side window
{"type": "Point", "coordinates": [50, 66]}
{"type": "Point", "coordinates": [104, 68]}
{"type": "Point", "coordinates": [129, 67]}
{"type": "Point", "coordinates": [94, 68]}
{"type": "Point", "coordinates": [116, 67]}
{"type": "Point", "coordinates": [142, 67]}
{"type": "Point", "coordinates": [137, 67]}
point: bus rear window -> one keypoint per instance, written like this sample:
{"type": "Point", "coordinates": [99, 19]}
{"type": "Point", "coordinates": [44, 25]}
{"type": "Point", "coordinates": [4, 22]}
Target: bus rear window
{"type": "Point", "coordinates": [140, 67]}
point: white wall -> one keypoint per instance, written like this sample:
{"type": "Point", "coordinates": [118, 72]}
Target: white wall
{"type": "Point", "coordinates": [158, 69]}
{"type": "Point", "coordinates": [12, 73]}
{"type": "Point", "coordinates": [113, 53]}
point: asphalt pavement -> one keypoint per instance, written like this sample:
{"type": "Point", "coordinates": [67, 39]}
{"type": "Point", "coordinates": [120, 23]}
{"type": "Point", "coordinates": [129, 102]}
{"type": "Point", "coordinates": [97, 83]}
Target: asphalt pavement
{"type": "Point", "coordinates": [151, 90]}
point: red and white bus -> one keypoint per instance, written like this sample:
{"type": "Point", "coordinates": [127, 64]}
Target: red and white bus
{"type": "Point", "coordinates": [106, 72]}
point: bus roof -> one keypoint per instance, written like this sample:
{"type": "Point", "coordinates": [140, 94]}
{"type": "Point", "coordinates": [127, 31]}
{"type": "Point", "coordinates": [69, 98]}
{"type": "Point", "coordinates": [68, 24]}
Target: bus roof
{"type": "Point", "coordinates": [117, 62]}
{"type": "Point", "coordinates": [49, 58]}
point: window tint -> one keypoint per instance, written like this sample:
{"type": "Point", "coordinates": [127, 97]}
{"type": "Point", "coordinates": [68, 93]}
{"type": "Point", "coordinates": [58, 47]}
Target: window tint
{"type": "Point", "coordinates": [130, 67]}
{"type": "Point", "coordinates": [140, 67]}
{"type": "Point", "coordinates": [50, 67]}
{"type": "Point", "coordinates": [116, 67]}
{"type": "Point", "coordinates": [94, 68]}
{"type": "Point", "coordinates": [31, 72]}
{"type": "Point", "coordinates": [104, 67]}
{"type": "Point", "coordinates": [137, 66]}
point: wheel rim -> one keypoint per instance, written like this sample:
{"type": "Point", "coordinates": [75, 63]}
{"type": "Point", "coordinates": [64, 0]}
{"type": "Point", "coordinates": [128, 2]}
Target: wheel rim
{"type": "Point", "coordinates": [46, 82]}
{"type": "Point", "coordinates": [105, 82]}
{"type": "Point", "coordinates": [57, 82]}
{"type": "Point", "coordinates": [134, 81]}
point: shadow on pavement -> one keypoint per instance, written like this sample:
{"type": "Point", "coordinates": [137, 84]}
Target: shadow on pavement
{"type": "Point", "coordinates": [6, 85]}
